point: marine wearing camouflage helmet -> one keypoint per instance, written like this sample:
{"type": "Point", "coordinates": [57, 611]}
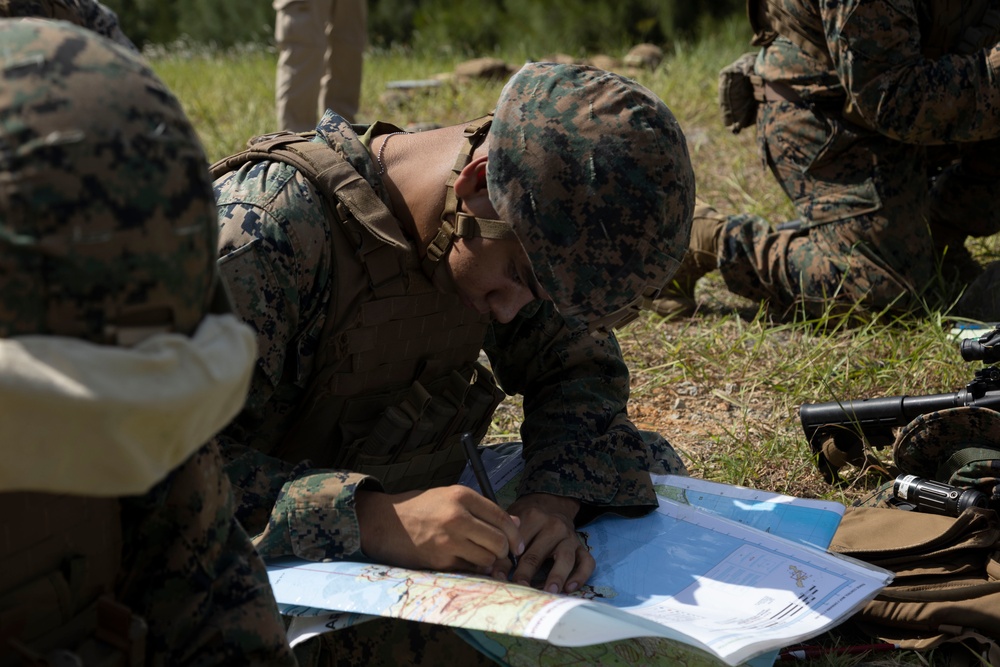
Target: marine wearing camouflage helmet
{"type": "Point", "coordinates": [603, 223]}
{"type": "Point", "coordinates": [120, 544]}
{"type": "Point", "coordinates": [880, 119]}
{"type": "Point", "coordinates": [375, 268]}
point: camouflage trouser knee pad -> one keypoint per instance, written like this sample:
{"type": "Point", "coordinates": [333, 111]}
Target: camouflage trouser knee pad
{"type": "Point", "coordinates": [819, 266]}
{"type": "Point", "coordinates": [752, 260]}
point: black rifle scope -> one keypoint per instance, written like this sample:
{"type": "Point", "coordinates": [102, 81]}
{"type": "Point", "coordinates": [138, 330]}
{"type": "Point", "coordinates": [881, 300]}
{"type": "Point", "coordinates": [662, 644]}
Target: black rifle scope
{"type": "Point", "coordinates": [986, 348]}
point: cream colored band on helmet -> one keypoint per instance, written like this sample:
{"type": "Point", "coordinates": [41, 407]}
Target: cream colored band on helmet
{"type": "Point", "coordinates": [99, 420]}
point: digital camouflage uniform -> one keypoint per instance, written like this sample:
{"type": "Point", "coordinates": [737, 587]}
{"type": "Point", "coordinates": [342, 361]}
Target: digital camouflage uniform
{"type": "Point", "coordinates": [118, 545]}
{"type": "Point", "coordinates": [352, 332]}
{"type": "Point", "coordinates": [867, 105]}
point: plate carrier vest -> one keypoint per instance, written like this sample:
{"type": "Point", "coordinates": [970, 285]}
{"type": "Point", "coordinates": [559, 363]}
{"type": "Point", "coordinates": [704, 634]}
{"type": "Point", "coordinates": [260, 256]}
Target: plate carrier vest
{"type": "Point", "coordinates": [397, 379]}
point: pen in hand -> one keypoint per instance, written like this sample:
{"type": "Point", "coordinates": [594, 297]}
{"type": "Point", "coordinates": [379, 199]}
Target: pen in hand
{"type": "Point", "coordinates": [476, 462]}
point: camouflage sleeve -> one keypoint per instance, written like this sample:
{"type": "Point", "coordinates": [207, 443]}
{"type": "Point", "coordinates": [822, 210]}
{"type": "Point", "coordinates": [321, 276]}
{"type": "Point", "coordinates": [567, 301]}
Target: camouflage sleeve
{"type": "Point", "coordinates": [876, 49]}
{"type": "Point", "coordinates": [294, 510]}
{"type": "Point", "coordinates": [274, 253]}
{"type": "Point", "coordinates": [578, 440]}
{"type": "Point", "coordinates": [194, 575]}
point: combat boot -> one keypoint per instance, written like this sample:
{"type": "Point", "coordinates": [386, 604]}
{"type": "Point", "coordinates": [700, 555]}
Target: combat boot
{"type": "Point", "coordinates": [676, 299]}
{"type": "Point", "coordinates": [957, 263]}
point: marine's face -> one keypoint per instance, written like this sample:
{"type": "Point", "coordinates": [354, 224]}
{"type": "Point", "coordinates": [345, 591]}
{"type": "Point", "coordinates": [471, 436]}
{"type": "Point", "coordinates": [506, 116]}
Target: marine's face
{"type": "Point", "coordinates": [490, 276]}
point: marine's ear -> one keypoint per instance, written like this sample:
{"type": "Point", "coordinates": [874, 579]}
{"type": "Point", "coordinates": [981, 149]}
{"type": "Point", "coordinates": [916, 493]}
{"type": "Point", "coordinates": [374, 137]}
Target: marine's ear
{"type": "Point", "coordinates": [472, 178]}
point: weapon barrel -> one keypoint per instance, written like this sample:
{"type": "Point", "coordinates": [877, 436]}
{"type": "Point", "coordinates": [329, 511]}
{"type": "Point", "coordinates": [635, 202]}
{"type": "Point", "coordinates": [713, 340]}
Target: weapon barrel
{"type": "Point", "coordinates": [879, 416]}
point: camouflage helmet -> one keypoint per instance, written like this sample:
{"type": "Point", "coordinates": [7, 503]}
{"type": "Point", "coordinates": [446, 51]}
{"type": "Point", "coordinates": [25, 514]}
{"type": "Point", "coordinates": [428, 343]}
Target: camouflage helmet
{"type": "Point", "coordinates": [958, 446]}
{"type": "Point", "coordinates": [592, 170]}
{"type": "Point", "coordinates": [86, 13]}
{"type": "Point", "coordinates": [107, 215]}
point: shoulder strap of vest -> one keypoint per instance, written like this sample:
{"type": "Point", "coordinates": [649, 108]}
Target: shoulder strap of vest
{"type": "Point", "coordinates": [348, 195]}
{"type": "Point", "coordinates": [464, 225]}
{"type": "Point", "coordinates": [327, 169]}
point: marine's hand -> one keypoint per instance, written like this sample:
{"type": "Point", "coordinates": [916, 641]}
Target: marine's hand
{"type": "Point", "coordinates": [447, 528]}
{"type": "Point", "coordinates": [549, 533]}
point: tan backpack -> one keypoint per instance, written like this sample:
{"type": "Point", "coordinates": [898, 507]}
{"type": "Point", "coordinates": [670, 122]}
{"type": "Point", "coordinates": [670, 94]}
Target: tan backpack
{"type": "Point", "coordinates": [947, 585]}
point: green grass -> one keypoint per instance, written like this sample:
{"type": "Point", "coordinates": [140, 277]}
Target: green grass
{"type": "Point", "coordinates": [723, 386]}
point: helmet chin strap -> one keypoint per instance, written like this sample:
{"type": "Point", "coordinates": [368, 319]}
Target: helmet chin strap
{"type": "Point", "coordinates": [456, 223]}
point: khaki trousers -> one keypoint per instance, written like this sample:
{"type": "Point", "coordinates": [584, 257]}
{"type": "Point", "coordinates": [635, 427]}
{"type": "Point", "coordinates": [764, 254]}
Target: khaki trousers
{"type": "Point", "coordinates": [321, 45]}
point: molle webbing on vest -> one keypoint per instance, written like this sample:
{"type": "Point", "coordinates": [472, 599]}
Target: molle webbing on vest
{"type": "Point", "coordinates": [59, 559]}
{"type": "Point", "coordinates": [396, 379]}
{"type": "Point", "coordinates": [387, 379]}
{"type": "Point", "coordinates": [417, 445]}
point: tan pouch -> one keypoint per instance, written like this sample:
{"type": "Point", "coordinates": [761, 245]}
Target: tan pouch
{"type": "Point", "coordinates": [946, 587]}
{"type": "Point", "coordinates": [739, 93]}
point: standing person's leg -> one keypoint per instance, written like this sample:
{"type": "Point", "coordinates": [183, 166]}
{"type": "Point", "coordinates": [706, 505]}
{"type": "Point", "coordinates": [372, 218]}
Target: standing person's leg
{"type": "Point", "coordinates": [346, 39]}
{"type": "Point", "coordinates": [299, 33]}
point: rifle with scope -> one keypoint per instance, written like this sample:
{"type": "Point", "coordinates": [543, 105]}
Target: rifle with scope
{"type": "Point", "coordinates": [837, 431]}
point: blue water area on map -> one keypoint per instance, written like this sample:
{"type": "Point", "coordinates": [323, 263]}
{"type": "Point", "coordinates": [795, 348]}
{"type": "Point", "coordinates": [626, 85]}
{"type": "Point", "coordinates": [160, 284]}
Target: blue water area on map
{"type": "Point", "coordinates": [806, 525]}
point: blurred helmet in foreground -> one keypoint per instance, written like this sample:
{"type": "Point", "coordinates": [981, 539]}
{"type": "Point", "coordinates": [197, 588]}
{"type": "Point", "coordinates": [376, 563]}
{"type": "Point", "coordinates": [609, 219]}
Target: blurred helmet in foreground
{"type": "Point", "coordinates": [107, 216]}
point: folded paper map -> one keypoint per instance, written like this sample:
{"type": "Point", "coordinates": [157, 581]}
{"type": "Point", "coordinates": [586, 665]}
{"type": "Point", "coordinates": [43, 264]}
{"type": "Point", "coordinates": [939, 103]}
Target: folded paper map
{"type": "Point", "coordinates": [719, 574]}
